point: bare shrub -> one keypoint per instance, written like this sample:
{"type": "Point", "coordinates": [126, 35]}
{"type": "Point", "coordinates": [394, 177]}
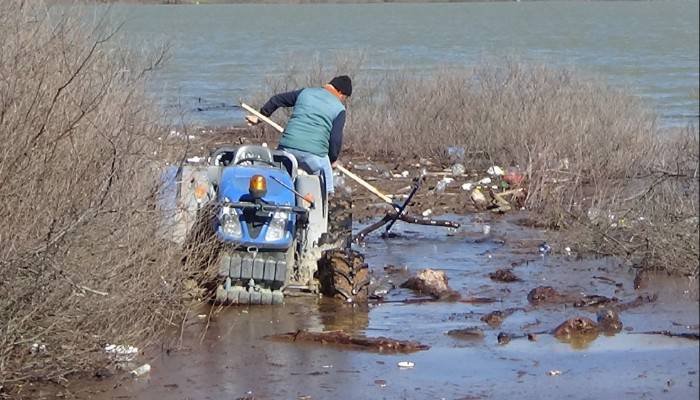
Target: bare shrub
{"type": "Point", "coordinates": [586, 148]}
{"type": "Point", "coordinates": [83, 261]}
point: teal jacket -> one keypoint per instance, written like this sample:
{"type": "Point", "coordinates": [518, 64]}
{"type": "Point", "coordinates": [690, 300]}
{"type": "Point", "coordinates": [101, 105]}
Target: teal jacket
{"type": "Point", "coordinates": [316, 124]}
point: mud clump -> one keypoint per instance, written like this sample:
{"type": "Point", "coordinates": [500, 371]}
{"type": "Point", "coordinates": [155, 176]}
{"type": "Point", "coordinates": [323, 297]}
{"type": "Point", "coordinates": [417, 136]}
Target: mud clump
{"type": "Point", "coordinates": [639, 301]}
{"type": "Point", "coordinates": [471, 333]}
{"type": "Point", "coordinates": [609, 321]}
{"type": "Point", "coordinates": [544, 294]}
{"type": "Point", "coordinates": [432, 283]}
{"type": "Point", "coordinates": [595, 301]}
{"type": "Point", "coordinates": [504, 275]}
{"type": "Point", "coordinates": [503, 338]}
{"type": "Point", "coordinates": [342, 339]}
{"type": "Point", "coordinates": [494, 319]}
{"type": "Point", "coordinates": [575, 327]}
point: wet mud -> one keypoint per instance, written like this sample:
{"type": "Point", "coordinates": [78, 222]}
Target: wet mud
{"type": "Point", "coordinates": [342, 340]}
{"type": "Point", "coordinates": [500, 340]}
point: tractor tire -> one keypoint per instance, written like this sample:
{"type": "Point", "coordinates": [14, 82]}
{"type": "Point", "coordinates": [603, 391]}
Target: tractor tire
{"type": "Point", "coordinates": [339, 220]}
{"type": "Point", "coordinates": [344, 275]}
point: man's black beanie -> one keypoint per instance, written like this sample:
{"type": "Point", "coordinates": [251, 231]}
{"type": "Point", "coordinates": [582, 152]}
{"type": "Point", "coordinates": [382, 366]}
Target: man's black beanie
{"type": "Point", "coordinates": [343, 84]}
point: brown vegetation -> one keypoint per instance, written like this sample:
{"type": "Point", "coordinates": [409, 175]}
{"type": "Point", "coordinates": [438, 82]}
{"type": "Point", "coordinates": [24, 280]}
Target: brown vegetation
{"type": "Point", "coordinates": [596, 163]}
{"type": "Point", "coordinates": [83, 260]}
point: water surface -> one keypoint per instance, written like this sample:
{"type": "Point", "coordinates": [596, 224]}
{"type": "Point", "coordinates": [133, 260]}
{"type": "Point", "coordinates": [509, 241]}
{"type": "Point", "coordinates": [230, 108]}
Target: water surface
{"type": "Point", "coordinates": [221, 53]}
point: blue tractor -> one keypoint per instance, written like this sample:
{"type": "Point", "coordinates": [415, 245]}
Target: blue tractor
{"type": "Point", "coordinates": [269, 221]}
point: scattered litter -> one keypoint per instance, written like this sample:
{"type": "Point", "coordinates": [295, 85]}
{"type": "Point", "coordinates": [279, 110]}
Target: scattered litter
{"type": "Point", "coordinates": [442, 184]}
{"type": "Point", "coordinates": [380, 382]}
{"type": "Point", "coordinates": [427, 212]}
{"type": "Point", "coordinates": [142, 370]}
{"type": "Point", "coordinates": [405, 174]}
{"type": "Point", "coordinates": [327, 366]}
{"type": "Point", "coordinates": [486, 229]}
{"type": "Point", "coordinates": [38, 348]}
{"type": "Point", "coordinates": [514, 177]}
{"type": "Point", "coordinates": [406, 364]}
{"type": "Point", "coordinates": [554, 372]}
{"type": "Point", "coordinates": [458, 169]}
{"type": "Point", "coordinates": [195, 159]}
{"type": "Point", "coordinates": [485, 181]}
{"type": "Point", "coordinates": [495, 170]}
{"type": "Point", "coordinates": [455, 153]}
{"type": "Point", "coordinates": [479, 198]}
{"type": "Point", "coordinates": [468, 186]}
{"type": "Point", "coordinates": [122, 352]}
{"type": "Point", "coordinates": [202, 316]}
{"type": "Point", "coordinates": [544, 248]}
{"type": "Point", "coordinates": [568, 250]}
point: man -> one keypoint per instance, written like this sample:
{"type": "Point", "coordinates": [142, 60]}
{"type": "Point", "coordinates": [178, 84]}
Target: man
{"type": "Point", "coordinates": [314, 132]}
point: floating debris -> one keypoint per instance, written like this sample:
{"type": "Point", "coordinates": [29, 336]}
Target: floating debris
{"type": "Point", "coordinates": [142, 370]}
{"type": "Point", "coordinates": [432, 283]}
{"type": "Point", "coordinates": [340, 338]}
{"type": "Point", "coordinates": [504, 275]}
{"type": "Point", "coordinates": [609, 321]}
{"type": "Point", "coordinates": [406, 364]}
{"type": "Point", "coordinates": [579, 326]}
{"type": "Point", "coordinates": [472, 333]}
{"type": "Point", "coordinates": [544, 294]}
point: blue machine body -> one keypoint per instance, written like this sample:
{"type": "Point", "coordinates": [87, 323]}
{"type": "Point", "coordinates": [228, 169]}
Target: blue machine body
{"type": "Point", "coordinates": [234, 187]}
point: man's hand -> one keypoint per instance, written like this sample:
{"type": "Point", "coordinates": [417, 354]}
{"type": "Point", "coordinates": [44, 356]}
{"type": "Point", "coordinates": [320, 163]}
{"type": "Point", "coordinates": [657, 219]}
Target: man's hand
{"type": "Point", "coordinates": [334, 164]}
{"type": "Point", "coordinates": [252, 120]}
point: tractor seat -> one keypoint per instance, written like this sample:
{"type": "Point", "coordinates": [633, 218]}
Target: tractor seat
{"type": "Point", "coordinates": [252, 153]}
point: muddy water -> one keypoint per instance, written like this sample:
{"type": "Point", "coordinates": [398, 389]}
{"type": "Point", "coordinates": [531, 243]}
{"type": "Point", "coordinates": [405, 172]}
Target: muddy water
{"type": "Point", "coordinates": [232, 360]}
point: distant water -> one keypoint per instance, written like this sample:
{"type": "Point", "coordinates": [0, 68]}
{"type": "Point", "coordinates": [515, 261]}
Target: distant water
{"type": "Point", "coordinates": [221, 53]}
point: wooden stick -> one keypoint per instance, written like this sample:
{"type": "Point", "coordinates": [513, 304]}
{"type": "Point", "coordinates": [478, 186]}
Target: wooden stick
{"type": "Point", "coordinates": [366, 185]}
{"type": "Point", "coordinates": [340, 168]}
{"type": "Point", "coordinates": [262, 117]}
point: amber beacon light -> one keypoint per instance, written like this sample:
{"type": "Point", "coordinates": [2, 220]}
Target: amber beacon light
{"type": "Point", "coordinates": [258, 186]}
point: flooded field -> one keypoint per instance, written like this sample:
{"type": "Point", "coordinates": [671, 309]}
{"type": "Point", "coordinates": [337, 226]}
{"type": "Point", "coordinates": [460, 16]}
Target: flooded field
{"type": "Point", "coordinates": [231, 359]}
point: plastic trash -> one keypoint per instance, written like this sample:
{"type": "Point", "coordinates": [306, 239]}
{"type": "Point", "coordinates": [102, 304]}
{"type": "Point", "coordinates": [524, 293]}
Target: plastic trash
{"type": "Point", "coordinates": [142, 370]}
{"type": "Point", "coordinates": [485, 181]}
{"type": "Point", "coordinates": [455, 153]}
{"type": "Point", "coordinates": [544, 248]}
{"type": "Point", "coordinates": [121, 352]}
{"type": "Point", "coordinates": [458, 169]}
{"type": "Point", "coordinates": [405, 174]}
{"type": "Point", "coordinates": [554, 372]}
{"type": "Point", "coordinates": [406, 364]}
{"type": "Point", "coordinates": [468, 186]}
{"type": "Point", "coordinates": [427, 212]}
{"type": "Point", "coordinates": [442, 185]}
{"type": "Point", "coordinates": [38, 348]}
{"type": "Point", "coordinates": [495, 170]}
{"type": "Point", "coordinates": [478, 198]}
{"type": "Point", "coordinates": [195, 159]}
